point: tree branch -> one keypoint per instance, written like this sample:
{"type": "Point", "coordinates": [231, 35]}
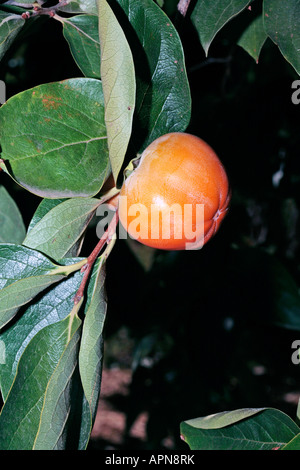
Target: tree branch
{"type": "Point", "coordinates": [107, 237]}
{"type": "Point", "coordinates": [36, 8]}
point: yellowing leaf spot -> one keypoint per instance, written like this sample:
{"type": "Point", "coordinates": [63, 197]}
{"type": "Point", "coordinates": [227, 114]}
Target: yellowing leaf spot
{"type": "Point", "coordinates": [50, 103]}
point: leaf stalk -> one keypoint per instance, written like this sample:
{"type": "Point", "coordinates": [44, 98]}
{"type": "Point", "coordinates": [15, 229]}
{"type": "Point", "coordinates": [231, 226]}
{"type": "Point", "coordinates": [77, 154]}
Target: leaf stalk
{"type": "Point", "coordinates": [107, 239]}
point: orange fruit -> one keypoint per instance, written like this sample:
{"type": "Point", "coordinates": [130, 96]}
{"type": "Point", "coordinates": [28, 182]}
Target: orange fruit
{"type": "Point", "coordinates": [177, 196]}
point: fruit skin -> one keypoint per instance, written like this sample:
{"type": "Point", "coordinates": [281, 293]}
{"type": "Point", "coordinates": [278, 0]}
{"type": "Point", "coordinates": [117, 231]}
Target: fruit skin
{"type": "Point", "coordinates": [177, 168]}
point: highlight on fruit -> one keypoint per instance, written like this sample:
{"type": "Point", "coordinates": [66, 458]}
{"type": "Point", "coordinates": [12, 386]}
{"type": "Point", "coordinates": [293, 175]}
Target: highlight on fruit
{"type": "Point", "coordinates": [177, 196]}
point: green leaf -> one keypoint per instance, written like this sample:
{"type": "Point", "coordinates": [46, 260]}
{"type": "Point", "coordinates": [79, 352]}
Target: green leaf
{"type": "Point", "coordinates": [253, 38]}
{"type": "Point", "coordinates": [49, 307]}
{"type": "Point", "coordinates": [10, 25]}
{"type": "Point", "coordinates": [118, 80]}
{"type": "Point", "coordinates": [294, 444]}
{"type": "Point", "coordinates": [82, 35]}
{"type": "Point", "coordinates": [18, 262]}
{"type": "Point", "coordinates": [54, 140]}
{"type": "Point", "coordinates": [42, 365]}
{"type": "Point", "coordinates": [163, 102]}
{"type": "Point", "coordinates": [91, 346]}
{"type": "Point", "coordinates": [80, 6]}
{"type": "Point", "coordinates": [209, 17]}
{"type": "Point", "coordinates": [55, 414]}
{"type": "Point", "coordinates": [223, 419]}
{"type": "Point", "coordinates": [282, 24]}
{"type": "Point", "coordinates": [65, 384]}
{"type": "Point", "coordinates": [61, 228]}
{"type": "Point", "coordinates": [43, 208]}
{"type": "Point", "coordinates": [24, 273]}
{"type": "Point", "coordinates": [21, 292]}
{"type": "Point", "coordinates": [257, 429]}
{"type": "Point", "coordinates": [12, 228]}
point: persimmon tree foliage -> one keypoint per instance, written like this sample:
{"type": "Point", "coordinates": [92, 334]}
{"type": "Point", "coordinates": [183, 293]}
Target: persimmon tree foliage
{"type": "Point", "coordinates": [68, 142]}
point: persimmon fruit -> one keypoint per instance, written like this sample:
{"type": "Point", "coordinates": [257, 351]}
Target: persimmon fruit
{"type": "Point", "coordinates": [176, 172]}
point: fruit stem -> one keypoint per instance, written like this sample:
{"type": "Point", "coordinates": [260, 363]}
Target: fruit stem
{"type": "Point", "coordinates": [106, 239]}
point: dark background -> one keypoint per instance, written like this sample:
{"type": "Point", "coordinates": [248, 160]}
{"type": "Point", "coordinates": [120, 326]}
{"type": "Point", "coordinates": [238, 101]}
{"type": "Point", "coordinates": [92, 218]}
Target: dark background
{"type": "Point", "coordinates": [198, 332]}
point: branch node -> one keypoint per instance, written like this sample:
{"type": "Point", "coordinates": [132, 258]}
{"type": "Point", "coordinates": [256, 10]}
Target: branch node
{"type": "Point", "coordinates": [25, 15]}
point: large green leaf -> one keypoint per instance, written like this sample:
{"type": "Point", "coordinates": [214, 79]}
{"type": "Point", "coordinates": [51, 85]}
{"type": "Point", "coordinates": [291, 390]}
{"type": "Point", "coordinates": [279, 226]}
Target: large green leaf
{"type": "Point", "coordinates": [257, 429]}
{"type": "Point", "coordinates": [50, 307]}
{"type": "Point", "coordinates": [53, 138]}
{"type": "Point", "coordinates": [61, 228]}
{"type": "Point", "coordinates": [209, 17]}
{"type": "Point", "coordinates": [82, 34]}
{"type": "Point", "coordinates": [282, 23]}
{"type": "Point", "coordinates": [118, 80]}
{"type": "Point", "coordinates": [39, 388]}
{"type": "Point", "coordinates": [163, 102]}
{"type": "Point", "coordinates": [12, 228]}
{"type": "Point", "coordinates": [24, 273]}
{"type": "Point", "coordinates": [253, 38]}
{"type": "Point", "coordinates": [10, 25]}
